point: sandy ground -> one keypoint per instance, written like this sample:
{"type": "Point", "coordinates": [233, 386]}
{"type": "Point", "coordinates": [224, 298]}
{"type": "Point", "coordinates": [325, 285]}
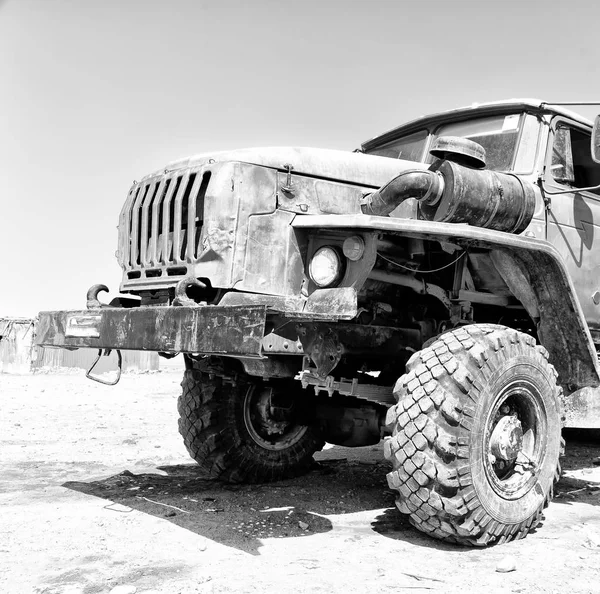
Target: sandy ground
{"type": "Point", "coordinates": [98, 495]}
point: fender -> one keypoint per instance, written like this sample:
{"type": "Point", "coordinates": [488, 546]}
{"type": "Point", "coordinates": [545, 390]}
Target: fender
{"type": "Point", "coordinates": [534, 272]}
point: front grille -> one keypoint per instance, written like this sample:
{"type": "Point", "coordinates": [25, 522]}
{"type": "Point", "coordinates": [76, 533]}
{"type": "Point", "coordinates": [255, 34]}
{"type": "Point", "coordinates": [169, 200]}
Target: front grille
{"type": "Point", "coordinates": [161, 223]}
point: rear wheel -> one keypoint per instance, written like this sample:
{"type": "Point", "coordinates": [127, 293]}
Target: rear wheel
{"type": "Point", "coordinates": [476, 436]}
{"type": "Point", "coordinates": [241, 429]}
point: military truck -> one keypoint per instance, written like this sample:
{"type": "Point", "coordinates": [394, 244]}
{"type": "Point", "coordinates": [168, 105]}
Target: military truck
{"type": "Point", "coordinates": [436, 288]}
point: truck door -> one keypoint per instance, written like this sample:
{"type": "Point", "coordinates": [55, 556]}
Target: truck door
{"type": "Point", "coordinates": [574, 218]}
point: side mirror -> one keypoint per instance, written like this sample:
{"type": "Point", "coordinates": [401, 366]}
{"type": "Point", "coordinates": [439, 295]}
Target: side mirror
{"type": "Point", "coordinates": [596, 140]}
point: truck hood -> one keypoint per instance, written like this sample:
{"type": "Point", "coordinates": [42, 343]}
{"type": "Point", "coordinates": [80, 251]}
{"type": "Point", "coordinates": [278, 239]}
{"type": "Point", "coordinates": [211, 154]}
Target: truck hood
{"type": "Point", "coordinates": [354, 168]}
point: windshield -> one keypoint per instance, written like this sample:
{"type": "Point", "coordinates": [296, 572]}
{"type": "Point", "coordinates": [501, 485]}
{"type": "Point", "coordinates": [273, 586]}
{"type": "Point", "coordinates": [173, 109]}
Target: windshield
{"type": "Point", "coordinates": [497, 134]}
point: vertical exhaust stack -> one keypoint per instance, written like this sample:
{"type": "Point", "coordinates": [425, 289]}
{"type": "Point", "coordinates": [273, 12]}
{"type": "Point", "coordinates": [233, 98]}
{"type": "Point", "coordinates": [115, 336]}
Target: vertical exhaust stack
{"type": "Point", "coordinates": [456, 189]}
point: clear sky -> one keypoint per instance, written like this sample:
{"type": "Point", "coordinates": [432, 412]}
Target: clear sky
{"type": "Point", "coordinates": [97, 93]}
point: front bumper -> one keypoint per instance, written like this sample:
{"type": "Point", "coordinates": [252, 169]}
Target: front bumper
{"type": "Point", "coordinates": [236, 330]}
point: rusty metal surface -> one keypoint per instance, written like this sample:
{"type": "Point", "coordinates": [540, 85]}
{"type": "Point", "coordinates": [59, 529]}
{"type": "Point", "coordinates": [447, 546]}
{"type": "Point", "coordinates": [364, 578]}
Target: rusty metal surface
{"type": "Point", "coordinates": [274, 344]}
{"type": "Point", "coordinates": [324, 348]}
{"type": "Point", "coordinates": [212, 329]}
{"type": "Point", "coordinates": [272, 366]}
{"type": "Point", "coordinates": [181, 296]}
{"type": "Point", "coordinates": [374, 341]}
{"type": "Point", "coordinates": [92, 300]}
{"type": "Point", "coordinates": [339, 303]}
{"type": "Point", "coordinates": [333, 304]}
{"type": "Point", "coordinates": [281, 303]}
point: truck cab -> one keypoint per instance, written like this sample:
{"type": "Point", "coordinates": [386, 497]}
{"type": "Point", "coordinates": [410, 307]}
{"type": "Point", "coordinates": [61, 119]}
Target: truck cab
{"type": "Point", "coordinates": [546, 145]}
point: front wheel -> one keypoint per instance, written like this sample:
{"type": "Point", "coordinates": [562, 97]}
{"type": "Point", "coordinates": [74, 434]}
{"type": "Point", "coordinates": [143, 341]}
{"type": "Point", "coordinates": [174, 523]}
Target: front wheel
{"type": "Point", "coordinates": [476, 436]}
{"type": "Point", "coordinates": [241, 429]}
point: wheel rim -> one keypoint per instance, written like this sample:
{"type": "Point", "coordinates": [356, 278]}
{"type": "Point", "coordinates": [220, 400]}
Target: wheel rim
{"type": "Point", "coordinates": [270, 431]}
{"type": "Point", "coordinates": [515, 439]}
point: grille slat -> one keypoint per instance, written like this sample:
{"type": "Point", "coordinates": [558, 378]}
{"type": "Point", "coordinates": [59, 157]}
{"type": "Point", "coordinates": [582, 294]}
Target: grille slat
{"type": "Point", "coordinates": [191, 218]}
{"type": "Point", "coordinates": [153, 241]}
{"type": "Point", "coordinates": [135, 225]}
{"type": "Point", "coordinates": [199, 215]}
{"type": "Point", "coordinates": [146, 206]}
{"type": "Point", "coordinates": [129, 227]}
{"type": "Point", "coordinates": [169, 185]}
{"type": "Point", "coordinates": [166, 230]}
{"type": "Point", "coordinates": [177, 223]}
{"type": "Point", "coordinates": [125, 225]}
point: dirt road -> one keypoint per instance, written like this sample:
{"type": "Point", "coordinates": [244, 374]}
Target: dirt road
{"type": "Point", "coordinates": [98, 495]}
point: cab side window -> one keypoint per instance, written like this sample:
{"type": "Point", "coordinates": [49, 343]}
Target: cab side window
{"type": "Point", "coordinates": [572, 164]}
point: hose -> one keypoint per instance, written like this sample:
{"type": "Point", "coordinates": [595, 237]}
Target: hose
{"type": "Point", "coordinates": [424, 185]}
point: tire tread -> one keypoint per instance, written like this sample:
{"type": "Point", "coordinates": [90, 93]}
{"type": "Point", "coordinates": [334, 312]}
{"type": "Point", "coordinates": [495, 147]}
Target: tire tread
{"type": "Point", "coordinates": [437, 395]}
{"type": "Point", "coordinates": [213, 439]}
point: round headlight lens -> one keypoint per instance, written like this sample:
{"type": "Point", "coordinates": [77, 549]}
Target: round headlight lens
{"type": "Point", "coordinates": [325, 268]}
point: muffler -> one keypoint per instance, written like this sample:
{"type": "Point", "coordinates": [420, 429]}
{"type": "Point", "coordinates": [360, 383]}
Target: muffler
{"type": "Point", "coordinates": [449, 192]}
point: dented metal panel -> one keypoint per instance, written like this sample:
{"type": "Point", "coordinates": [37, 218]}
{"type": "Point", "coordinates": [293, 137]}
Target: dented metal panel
{"type": "Point", "coordinates": [272, 262]}
{"type": "Point", "coordinates": [307, 195]}
{"type": "Point", "coordinates": [198, 222]}
{"type": "Point", "coordinates": [213, 329]}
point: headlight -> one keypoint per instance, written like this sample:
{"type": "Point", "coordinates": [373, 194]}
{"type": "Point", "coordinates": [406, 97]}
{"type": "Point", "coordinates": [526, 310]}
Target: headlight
{"type": "Point", "coordinates": [325, 268]}
{"type": "Point", "coordinates": [354, 247]}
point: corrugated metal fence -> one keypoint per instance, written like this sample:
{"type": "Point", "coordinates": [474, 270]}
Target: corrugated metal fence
{"type": "Point", "coordinates": [19, 355]}
{"type": "Point", "coordinates": [16, 345]}
{"type": "Point", "coordinates": [83, 359]}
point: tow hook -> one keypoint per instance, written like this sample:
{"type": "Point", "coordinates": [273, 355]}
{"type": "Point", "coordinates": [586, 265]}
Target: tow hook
{"type": "Point", "coordinates": [92, 296]}
{"type": "Point", "coordinates": [181, 294]}
{"type": "Point", "coordinates": [96, 378]}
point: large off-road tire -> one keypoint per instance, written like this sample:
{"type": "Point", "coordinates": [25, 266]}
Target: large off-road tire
{"type": "Point", "coordinates": [476, 436]}
{"type": "Point", "coordinates": [227, 428]}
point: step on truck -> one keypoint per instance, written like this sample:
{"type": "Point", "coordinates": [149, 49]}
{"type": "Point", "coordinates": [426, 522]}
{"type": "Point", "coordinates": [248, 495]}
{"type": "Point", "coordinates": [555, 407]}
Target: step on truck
{"type": "Point", "coordinates": [437, 288]}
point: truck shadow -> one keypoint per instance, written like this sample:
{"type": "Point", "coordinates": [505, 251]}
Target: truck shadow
{"type": "Point", "coordinates": [240, 516]}
{"type": "Point", "coordinates": [582, 456]}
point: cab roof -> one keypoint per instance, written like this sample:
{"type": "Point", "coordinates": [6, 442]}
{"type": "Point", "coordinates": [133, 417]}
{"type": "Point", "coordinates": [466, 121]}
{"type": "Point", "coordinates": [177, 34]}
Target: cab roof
{"type": "Point", "coordinates": [536, 106]}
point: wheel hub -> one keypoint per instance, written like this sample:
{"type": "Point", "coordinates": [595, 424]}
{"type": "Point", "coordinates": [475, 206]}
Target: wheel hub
{"type": "Point", "coordinates": [506, 440]}
{"type": "Point", "coordinates": [273, 419]}
{"type": "Point", "coordinates": [270, 419]}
